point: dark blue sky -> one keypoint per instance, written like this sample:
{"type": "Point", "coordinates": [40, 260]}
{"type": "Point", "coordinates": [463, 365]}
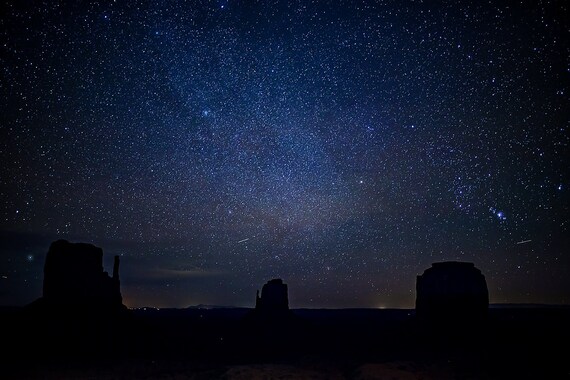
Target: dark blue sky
{"type": "Point", "coordinates": [343, 146]}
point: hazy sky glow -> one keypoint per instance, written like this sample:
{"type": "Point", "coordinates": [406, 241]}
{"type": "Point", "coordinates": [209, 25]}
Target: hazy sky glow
{"type": "Point", "coordinates": [343, 146]}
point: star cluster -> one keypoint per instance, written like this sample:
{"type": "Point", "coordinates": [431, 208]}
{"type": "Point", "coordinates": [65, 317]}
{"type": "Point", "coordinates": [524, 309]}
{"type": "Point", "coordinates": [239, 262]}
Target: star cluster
{"type": "Point", "coordinates": [342, 146]}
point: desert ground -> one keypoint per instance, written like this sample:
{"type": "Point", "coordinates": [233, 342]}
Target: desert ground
{"type": "Point", "coordinates": [195, 343]}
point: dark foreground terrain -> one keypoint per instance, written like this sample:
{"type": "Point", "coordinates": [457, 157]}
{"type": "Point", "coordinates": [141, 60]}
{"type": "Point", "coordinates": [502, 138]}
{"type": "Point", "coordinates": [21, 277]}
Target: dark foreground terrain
{"type": "Point", "coordinates": [512, 343]}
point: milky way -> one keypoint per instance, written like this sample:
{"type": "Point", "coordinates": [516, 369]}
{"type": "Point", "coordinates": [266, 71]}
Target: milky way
{"type": "Point", "coordinates": [342, 146]}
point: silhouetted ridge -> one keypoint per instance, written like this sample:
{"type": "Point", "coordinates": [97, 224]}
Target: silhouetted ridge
{"type": "Point", "coordinates": [451, 291]}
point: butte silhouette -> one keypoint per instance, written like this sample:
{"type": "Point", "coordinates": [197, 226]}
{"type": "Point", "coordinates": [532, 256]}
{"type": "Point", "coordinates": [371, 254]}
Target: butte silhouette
{"type": "Point", "coordinates": [451, 291]}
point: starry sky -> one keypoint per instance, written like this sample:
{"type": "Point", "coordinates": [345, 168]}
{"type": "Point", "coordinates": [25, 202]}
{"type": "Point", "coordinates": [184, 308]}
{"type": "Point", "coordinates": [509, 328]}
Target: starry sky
{"type": "Point", "coordinates": [342, 146]}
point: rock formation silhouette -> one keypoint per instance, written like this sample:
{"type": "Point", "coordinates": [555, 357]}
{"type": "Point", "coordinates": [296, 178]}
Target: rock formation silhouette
{"type": "Point", "coordinates": [75, 284]}
{"type": "Point", "coordinates": [81, 313]}
{"type": "Point", "coordinates": [271, 326]}
{"type": "Point", "coordinates": [451, 291]}
{"type": "Point", "coordinates": [274, 296]}
{"type": "Point", "coordinates": [74, 276]}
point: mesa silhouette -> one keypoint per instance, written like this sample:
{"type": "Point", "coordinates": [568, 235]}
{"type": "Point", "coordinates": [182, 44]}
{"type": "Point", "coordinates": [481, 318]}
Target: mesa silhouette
{"type": "Point", "coordinates": [74, 275]}
{"type": "Point", "coordinates": [74, 279]}
{"type": "Point", "coordinates": [451, 291]}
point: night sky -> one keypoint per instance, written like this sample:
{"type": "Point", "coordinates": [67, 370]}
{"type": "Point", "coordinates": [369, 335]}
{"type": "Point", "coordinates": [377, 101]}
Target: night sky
{"type": "Point", "coordinates": [342, 146]}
